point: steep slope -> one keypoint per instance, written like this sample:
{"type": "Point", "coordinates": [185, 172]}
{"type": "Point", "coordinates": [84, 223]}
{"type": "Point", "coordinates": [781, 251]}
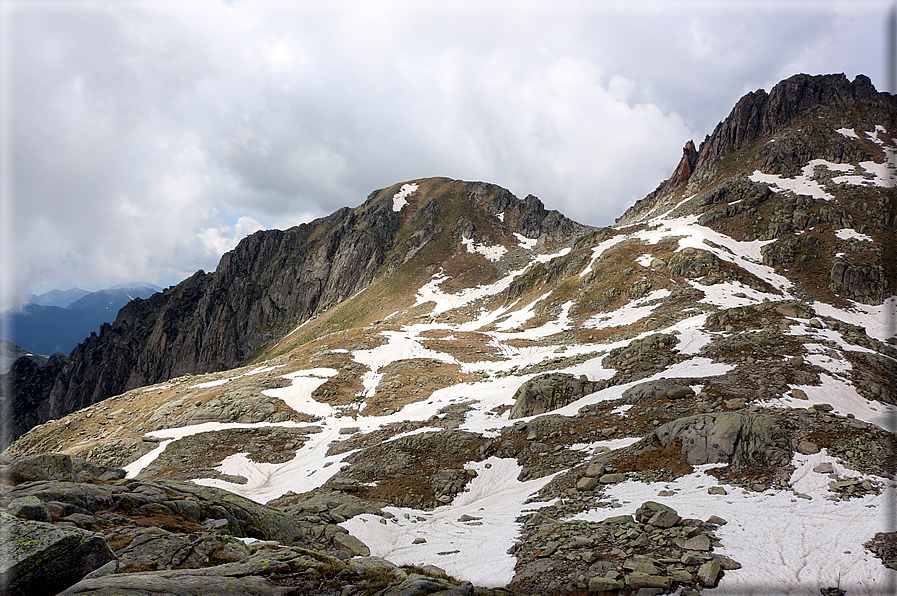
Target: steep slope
{"type": "Point", "coordinates": [669, 403]}
{"type": "Point", "coordinates": [271, 282]}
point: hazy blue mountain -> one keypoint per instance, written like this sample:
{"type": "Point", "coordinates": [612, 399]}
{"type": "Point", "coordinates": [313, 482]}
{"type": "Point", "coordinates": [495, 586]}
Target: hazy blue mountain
{"type": "Point", "coordinates": [46, 329]}
{"type": "Point", "coordinates": [60, 298]}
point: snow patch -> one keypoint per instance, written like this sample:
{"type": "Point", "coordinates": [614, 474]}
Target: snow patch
{"type": "Point", "coordinates": [628, 313]}
{"type": "Point", "coordinates": [298, 395]}
{"type": "Point", "coordinates": [843, 397]}
{"type": "Point", "coordinates": [879, 321]}
{"type": "Point", "coordinates": [399, 199]}
{"type": "Point", "coordinates": [849, 234]}
{"type": "Point", "coordinates": [799, 185]}
{"type": "Point", "coordinates": [527, 243]}
{"type": "Point", "coordinates": [554, 255]}
{"type": "Point", "coordinates": [493, 253]}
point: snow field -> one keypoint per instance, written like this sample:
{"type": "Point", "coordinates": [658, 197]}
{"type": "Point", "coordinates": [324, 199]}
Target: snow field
{"type": "Point", "coordinates": [786, 544]}
{"type": "Point", "coordinates": [781, 540]}
{"type": "Point", "coordinates": [843, 397]}
{"type": "Point", "coordinates": [474, 550]}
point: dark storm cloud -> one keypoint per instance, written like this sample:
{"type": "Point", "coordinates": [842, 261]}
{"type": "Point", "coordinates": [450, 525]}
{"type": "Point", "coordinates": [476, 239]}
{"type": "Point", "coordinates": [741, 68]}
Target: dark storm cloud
{"type": "Point", "coordinates": [147, 138]}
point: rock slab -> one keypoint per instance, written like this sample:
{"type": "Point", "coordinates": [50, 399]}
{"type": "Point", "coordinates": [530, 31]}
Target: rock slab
{"type": "Point", "coordinates": [40, 558]}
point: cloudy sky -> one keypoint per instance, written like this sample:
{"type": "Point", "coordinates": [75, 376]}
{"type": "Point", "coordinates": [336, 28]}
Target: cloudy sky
{"type": "Point", "coordinates": [141, 140]}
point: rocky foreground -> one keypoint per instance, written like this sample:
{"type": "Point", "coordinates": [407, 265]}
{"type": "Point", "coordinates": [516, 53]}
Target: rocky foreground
{"type": "Point", "coordinates": [73, 527]}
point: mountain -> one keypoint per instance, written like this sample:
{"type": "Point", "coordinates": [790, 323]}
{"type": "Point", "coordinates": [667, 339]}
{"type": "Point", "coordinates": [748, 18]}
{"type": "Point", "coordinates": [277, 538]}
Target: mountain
{"type": "Point", "coordinates": [60, 298]}
{"type": "Point", "coordinates": [271, 282]}
{"type": "Point", "coordinates": [700, 396]}
{"type": "Point", "coordinates": [10, 352]}
{"type": "Point", "coordinates": [49, 329]}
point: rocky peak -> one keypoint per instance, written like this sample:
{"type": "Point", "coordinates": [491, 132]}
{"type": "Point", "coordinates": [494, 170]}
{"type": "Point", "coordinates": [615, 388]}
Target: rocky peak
{"type": "Point", "coordinates": [830, 99]}
{"type": "Point", "coordinates": [759, 114]}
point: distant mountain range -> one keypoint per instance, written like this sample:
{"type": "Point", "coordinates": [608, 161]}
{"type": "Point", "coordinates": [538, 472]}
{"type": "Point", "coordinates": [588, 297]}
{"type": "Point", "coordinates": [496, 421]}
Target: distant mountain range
{"type": "Point", "coordinates": [59, 320]}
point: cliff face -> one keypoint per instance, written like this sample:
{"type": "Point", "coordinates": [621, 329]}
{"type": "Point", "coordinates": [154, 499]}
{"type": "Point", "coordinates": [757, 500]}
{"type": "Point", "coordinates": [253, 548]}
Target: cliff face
{"type": "Point", "coordinates": [272, 281]}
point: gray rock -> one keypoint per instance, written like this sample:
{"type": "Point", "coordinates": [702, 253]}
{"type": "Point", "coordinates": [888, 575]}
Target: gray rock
{"type": "Point", "coordinates": [586, 483]}
{"type": "Point", "coordinates": [40, 558]}
{"type": "Point", "coordinates": [45, 466]}
{"type": "Point", "coordinates": [807, 447]}
{"type": "Point", "coordinates": [107, 569]}
{"type": "Point", "coordinates": [86, 470]}
{"type": "Point", "coordinates": [151, 550]}
{"type": "Point", "coordinates": [612, 478]}
{"type": "Point", "coordinates": [365, 564]}
{"type": "Point", "coordinates": [603, 584]}
{"type": "Point", "coordinates": [417, 585]}
{"type": "Point", "coordinates": [644, 565]}
{"type": "Point", "coordinates": [549, 392]}
{"type": "Point", "coordinates": [173, 583]}
{"type": "Point", "coordinates": [647, 391]}
{"type": "Point", "coordinates": [657, 514]}
{"type": "Point", "coordinates": [643, 580]}
{"type": "Point", "coordinates": [726, 437]}
{"type": "Point", "coordinates": [699, 542]}
{"type": "Point", "coordinates": [824, 468]}
{"type": "Point", "coordinates": [350, 544]}
{"type": "Point", "coordinates": [29, 507]}
{"type": "Point", "coordinates": [595, 470]}
{"type": "Point", "coordinates": [709, 573]}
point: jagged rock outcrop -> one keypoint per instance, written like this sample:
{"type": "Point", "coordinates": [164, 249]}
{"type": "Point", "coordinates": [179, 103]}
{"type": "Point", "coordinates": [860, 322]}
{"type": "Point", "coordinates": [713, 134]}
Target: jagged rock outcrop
{"type": "Point", "coordinates": [271, 281]}
{"type": "Point", "coordinates": [759, 114]}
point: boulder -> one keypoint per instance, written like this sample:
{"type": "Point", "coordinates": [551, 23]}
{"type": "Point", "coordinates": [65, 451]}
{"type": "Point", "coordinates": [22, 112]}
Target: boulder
{"type": "Point", "coordinates": [587, 483]}
{"type": "Point", "coordinates": [152, 550]}
{"type": "Point", "coordinates": [643, 580]}
{"type": "Point", "coordinates": [657, 515]}
{"type": "Point", "coordinates": [727, 438]}
{"type": "Point", "coordinates": [549, 392]}
{"type": "Point", "coordinates": [40, 558]}
{"type": "Point", "coordinates": [603, 584]}
{"type": "Point", "coordinates": [174, 583]}
{"type": "Point", "coordinates": [351, 545]}
{"type": "Point", "coordinates": [699, 542]}
{"type": "Point", "coordinates": [29, 507]}
{"type": "Point", "coordinates": [807, 447]}
{"type": "Point", "coordinates": [45, 466]}
{"type": "Point", "coordinates": [709, 572]}
{"type": "Point", "coordinates": [668, 388]}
